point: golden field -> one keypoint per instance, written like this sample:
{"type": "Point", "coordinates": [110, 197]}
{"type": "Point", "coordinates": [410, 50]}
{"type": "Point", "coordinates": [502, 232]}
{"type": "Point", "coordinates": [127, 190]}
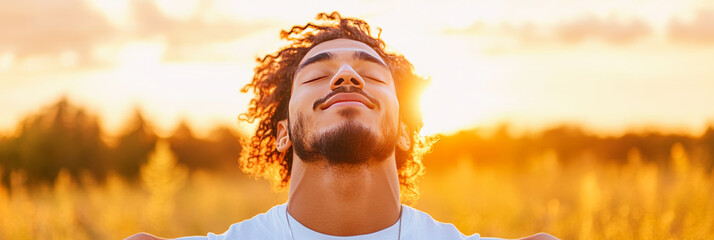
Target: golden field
{"type": "Point", "coordinates": [594, 200]}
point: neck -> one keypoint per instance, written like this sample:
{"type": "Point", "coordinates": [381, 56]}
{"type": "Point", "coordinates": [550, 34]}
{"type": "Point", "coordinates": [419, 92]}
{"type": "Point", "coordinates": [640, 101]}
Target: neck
{"type": "Point", "coordinates": [344, 201]}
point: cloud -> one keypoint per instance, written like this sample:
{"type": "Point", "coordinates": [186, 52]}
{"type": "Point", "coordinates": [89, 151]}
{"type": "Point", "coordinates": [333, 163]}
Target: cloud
{"type": "Point", "coordinates": [73, 29]}
{"type": "Point", "coordinates": [610, 30]}
{"type": "Point", "coordinates": [33, 27]}
{"type": "Point", "coordinates": [700, 30]}
{"type": "Point", "coordinates": [185, 38]}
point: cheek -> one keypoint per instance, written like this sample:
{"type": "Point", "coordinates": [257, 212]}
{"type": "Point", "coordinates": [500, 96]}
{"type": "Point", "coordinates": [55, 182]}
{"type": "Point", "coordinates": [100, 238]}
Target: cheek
{"type": "Point", "coordinates": [390, 106]}
{"type": "Point", "coordinates": [388, 99]}
{"type": "Point", "coordinates": [302, 100]}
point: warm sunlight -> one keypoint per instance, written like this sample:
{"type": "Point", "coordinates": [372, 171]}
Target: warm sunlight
{"type": "Point", "coordinates": [586, 119]}
{"type": "Point", "coordinates": [141, 55]}
{"type": "Point", "coordinates": [450, 104]}
{"type": "Point", "coordinates": [489, 62]}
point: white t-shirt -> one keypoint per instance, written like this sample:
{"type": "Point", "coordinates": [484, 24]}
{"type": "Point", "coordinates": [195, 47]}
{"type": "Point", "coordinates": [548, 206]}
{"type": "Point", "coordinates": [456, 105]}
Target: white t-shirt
{"type": "Point", "coordinates": [274, 225]}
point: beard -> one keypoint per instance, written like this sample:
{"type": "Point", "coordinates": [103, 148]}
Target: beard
{"type": "Point", "coordinates": [349, 144]}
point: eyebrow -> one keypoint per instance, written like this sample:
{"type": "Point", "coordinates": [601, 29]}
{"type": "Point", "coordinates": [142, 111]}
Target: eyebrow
{"type": "Point", "coordinates": [364, 56]}
{"type": "Point", "coordinates": [324, 56]}
{"type": "Point", "coordinates": [317, 58]}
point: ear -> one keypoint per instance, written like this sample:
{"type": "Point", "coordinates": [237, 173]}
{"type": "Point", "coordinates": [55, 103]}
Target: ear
{"type": "Point", "coordinates": [282, 141]}
{"type": "Point", "coordinates": [405, 140]}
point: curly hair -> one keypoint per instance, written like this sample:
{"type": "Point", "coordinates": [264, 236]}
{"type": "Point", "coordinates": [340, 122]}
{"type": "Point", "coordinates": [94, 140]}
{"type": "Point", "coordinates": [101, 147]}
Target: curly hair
{"type": "Point", "coordinates": [272, 84]}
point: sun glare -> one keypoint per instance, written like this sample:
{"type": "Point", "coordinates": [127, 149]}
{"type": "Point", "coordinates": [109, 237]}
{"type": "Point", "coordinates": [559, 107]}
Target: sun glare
{"type": "Point", "coordinates": [462, 97]}
{"type": "Point", "coordinates": [448, 108]}
{"type": "Point", "coordinates": [141, 55]}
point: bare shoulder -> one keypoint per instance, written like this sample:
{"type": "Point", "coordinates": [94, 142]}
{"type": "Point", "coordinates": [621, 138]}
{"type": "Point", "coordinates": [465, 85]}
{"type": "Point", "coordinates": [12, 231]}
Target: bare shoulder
{"type": "Point", "coordinates": [143, 236]}
{"type": "Point", "coordinates": [539, 236]}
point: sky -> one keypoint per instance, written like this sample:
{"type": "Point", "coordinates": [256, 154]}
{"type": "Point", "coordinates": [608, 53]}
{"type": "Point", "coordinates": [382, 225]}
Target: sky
{"type": "Point", "coordinates": [610, 66]}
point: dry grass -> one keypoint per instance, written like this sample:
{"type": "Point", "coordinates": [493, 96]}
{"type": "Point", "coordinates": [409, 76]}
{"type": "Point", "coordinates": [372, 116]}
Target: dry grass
{"type": "Point", "coordinates": [586, 201]}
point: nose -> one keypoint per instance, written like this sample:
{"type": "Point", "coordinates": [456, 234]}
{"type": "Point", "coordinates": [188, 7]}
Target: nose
{"type": "Point", "coordinates": [346, 76]}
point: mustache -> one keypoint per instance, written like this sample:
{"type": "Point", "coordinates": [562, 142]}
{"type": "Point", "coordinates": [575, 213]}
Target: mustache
{"type": "Point", "coordinates": [344, 89]}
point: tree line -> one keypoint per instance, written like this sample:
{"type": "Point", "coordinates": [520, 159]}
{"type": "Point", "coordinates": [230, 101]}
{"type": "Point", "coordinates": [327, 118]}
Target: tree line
{"type": "Point", "coordinates": [572, 146]}
{"type": "Point", "coordinates": [67, 136]}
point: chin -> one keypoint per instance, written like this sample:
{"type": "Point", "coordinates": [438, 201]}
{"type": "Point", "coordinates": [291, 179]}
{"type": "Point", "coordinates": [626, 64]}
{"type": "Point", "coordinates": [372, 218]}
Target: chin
{"type": "Point", "coordinates": [353, 123]}
{"type": "Point", "coordinates": [350, 143]}
{"type": "Point", "coordinates": [354, 141]}
{"type": "Point", "coordinates": [349, 112]}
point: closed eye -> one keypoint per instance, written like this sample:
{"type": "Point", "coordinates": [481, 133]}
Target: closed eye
{"type": "Point", "coordinates": [314, 79]}
{"type": "Point", "coordinates": [374, 79]}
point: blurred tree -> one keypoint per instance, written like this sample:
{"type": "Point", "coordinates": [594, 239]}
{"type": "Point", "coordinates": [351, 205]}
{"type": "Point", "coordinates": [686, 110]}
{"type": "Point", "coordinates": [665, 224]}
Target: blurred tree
{"type": "Point", "coordinates": [65, 136]}
{"type": "Point", "coordinates": [569, 141]}
{"type": "Point", "coordinates": [133, 146]}
{"type": "Point", "coordinates": [706, 143]}
{"type": "Point", "coordinates": [220, 150]}
{"type": "Point", "coordinates": [189, 150]}
{"type": "Point", "coordinates": [57, 137]}
{"type": "Point", "coordinates": [227, 145]}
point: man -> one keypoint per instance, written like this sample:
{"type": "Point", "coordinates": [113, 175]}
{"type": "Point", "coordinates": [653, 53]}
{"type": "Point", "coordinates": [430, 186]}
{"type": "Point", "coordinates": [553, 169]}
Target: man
{"type": "Point", "coordinates": [339, 123]}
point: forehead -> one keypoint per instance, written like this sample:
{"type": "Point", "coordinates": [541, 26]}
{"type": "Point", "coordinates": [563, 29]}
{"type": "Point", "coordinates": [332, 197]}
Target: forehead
{"type": "Point", "coordinates": [339, 46]}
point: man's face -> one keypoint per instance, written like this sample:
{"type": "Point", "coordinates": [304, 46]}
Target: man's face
{"type": "Point", "coordinates": [343, 106]}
